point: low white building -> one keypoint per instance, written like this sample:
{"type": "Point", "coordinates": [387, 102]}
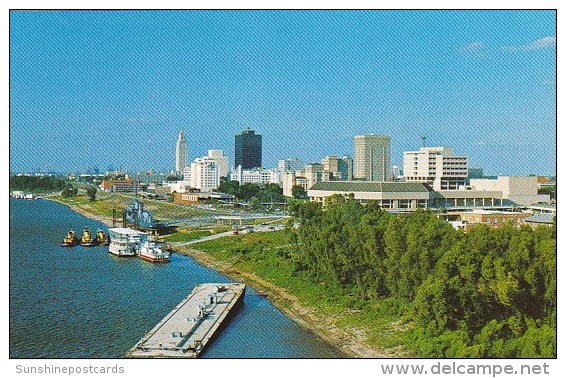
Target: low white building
{"type": "Point", "coordinates": [204, 173]}
{"type": "Point", "coordinates": [405, 195]}
{"type": "Point", "coordinates": [291, 179]}
{"type": "Point", "coordinates": [522, 190]}
{"type": "Point", "coordinates": [255, 176]}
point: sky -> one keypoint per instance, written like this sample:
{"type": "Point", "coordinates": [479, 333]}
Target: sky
{"type": "Point", "coordinates": [113, 88]}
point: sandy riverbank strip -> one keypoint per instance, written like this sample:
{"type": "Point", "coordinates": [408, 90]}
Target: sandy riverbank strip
{"type": "Point", "coordinates": [351, 344]}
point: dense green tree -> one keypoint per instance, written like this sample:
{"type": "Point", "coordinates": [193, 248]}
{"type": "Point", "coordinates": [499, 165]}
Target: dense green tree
{"type": "Point", "coordinates": [91, 192]}
{"type": "Point", "coordinates": [229, 187]}
{"type": "Point", "coordinates": [69, 191]}
{"type": "Point", "coordinates": [247, 191]}
{"type": "Point", "coordinates": [37, 183]}
{"type": "Point", "coordinates": [298, 191]}
{"type": "Point", "coordinates": [485, 293]}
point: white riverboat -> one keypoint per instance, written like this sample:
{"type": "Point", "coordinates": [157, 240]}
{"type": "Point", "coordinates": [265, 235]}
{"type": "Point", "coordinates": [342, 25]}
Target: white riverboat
{"type": "Point", "coordinates": [125, 241]}
{"type": "Point", "coordinates": [151, 251]}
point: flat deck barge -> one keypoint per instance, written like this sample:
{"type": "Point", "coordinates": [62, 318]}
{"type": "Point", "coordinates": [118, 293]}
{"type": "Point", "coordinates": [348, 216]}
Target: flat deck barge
{"type": "Point", "coordinates": [186, 330]}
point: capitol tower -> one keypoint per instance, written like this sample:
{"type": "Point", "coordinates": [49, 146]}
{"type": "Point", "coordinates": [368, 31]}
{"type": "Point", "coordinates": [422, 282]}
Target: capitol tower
{"type": "Point", "coordinates": [181, 153]}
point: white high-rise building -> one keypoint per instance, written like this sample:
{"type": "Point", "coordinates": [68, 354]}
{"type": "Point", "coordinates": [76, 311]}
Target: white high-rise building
{"type": "Point", "coordinates": [181, 154]}
{"type": "Point", "coordinates": [204, 174]}
{"type": "Point", "coordinates": [371, 157]}
{"type": "Point", "coordinates": [437, 166]}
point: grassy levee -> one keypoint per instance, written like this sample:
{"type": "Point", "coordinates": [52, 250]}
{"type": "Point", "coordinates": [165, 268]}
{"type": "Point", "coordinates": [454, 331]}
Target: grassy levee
{"type": "Point", "coordinates": [358, 328]}
{"type": "Point", "coordinates": [105, 202]}
{"type": "Point", "coordinates": [184, 235]}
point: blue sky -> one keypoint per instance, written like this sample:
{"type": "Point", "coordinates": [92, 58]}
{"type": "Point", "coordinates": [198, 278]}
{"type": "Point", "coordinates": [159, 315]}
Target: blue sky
{"type": "Point", "coordinates": [111, 88]}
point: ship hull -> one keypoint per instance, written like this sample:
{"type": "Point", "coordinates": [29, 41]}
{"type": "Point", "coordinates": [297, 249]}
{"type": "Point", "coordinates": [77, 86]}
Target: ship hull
{"type": "Point", "coordinates": [121, 254]}
{"type": "Point", "coordinates": [154, 259]}
{"type": "Point", "coordinates": [65, 244]}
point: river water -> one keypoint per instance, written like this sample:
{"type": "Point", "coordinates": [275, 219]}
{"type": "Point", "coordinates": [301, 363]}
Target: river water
{"type": "Point", "coordinates": [86, 303]}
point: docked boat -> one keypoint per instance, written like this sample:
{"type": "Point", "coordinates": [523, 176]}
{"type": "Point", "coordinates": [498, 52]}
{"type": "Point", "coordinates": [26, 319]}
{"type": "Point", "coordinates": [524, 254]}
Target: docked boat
{"type": "Point", "coordinates": [125, 241]}
{"type": "Point", "coordinates": [102, 238]}
{"type": "Point", "coordinates": [70, 240]}
{"type": "Point", "coordinates": [150, 251]}
{"type": "Point", "coordinates": [86, 239]}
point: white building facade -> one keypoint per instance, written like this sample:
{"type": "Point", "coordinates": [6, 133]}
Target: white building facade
{"type": "Point", "coordinates": [521, 190]}
{"type": "Point", "coordinates": [437, 166]}
{"type": "Point", "coordinates": [221, 160]}
{"type": "Point", "coordinates": [204, 174]}
{"type": "Point", "coordinates": [255, 176]}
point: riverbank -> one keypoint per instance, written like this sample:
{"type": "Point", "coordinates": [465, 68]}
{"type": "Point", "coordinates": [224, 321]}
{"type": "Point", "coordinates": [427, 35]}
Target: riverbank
{"type": "Point", "coordinates": [85, 213]}
{"type": "Point", "coordinates": [350, 340]}
{"type": "Point", "coordinates": [324, 327]}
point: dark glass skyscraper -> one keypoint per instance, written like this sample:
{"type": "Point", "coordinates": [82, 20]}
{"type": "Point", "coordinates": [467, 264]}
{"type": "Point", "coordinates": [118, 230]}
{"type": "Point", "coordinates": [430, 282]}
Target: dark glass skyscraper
{"type": "Point", "coordinates": [247, 149]}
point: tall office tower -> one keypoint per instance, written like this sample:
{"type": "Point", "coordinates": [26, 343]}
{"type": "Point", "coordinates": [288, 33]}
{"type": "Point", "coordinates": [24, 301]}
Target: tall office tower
{"type": "Point", "coordinates": [437, 166]}
{"type": "Point", "coordinates": [181, 154]}
{"type": "Point", "coordinates": [247, 149]}
{"type": "Point", "coordinates": [371, 157]}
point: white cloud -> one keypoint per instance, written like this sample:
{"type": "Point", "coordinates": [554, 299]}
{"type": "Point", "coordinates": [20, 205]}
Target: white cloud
{"type": "Point", "coordinates": [539, 44]}
{"type": "Point", "coordinates": [542, 43]}
{"type": "Point", "coordinates": [476, 48]}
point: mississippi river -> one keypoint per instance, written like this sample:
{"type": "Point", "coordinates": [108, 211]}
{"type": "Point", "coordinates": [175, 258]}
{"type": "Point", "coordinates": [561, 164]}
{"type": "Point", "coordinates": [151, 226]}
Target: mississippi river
{"type": "Point", "coordinates": [86, 303]}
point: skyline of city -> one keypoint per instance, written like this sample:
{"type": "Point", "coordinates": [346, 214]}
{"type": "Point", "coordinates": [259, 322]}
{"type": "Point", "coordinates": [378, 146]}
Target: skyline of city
{"type": "Point", "coordinates": [307, 81]}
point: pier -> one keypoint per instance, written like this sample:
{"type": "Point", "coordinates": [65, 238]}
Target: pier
{"type": "Point", "coordinates": [186, 330]}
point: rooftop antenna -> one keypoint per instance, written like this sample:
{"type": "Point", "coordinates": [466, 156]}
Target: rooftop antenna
{"type": "Point", "coordinates": [423, 141]}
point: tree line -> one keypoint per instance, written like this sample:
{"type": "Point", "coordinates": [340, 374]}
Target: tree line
{"type": "Point", "coordinates": [253, 192]}
{"type": "Point", "coordinates": [485, 293]}
{"type": "Point", "coordinates": [37, 183]}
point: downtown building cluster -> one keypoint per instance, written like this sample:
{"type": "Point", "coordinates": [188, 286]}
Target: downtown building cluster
{"type": "Point", "coordinates": [434, 177]}
{"type": "Point", "coordinates": [430, 177]}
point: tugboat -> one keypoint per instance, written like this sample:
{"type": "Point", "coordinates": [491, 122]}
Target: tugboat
{"type": "Point", "coordinates": [70, 240]}
{"type": "Point", "coordinates": [150, 251]}
{"type": "Point", "coordinates": [86, 238]}
{"type": "Point", "coordinates": [101, 238]}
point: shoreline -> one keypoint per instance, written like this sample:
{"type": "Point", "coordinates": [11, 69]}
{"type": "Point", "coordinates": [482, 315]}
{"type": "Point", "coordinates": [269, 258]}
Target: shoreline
{"type": "Point", "coordinates": [351, 345]}
{"type": "Point", "coordinates": [84, 213]}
